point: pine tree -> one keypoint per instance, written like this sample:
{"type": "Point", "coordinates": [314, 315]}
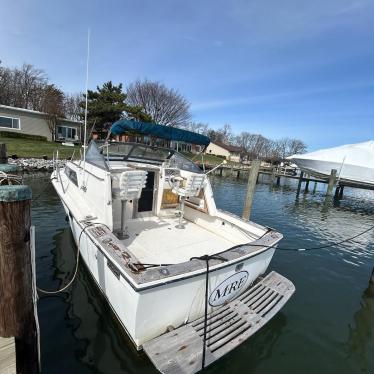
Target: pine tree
{"type": "Point", "coordinates": [107, 105]}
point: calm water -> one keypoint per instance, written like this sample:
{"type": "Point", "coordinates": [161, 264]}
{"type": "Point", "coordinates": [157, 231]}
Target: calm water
{"type": "Point", "coordinates": [327, 327]}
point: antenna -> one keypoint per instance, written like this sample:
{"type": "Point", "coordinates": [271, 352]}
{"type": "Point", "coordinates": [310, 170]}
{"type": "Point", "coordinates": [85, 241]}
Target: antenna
{"type": "Point", "coordinates": [85, 111]}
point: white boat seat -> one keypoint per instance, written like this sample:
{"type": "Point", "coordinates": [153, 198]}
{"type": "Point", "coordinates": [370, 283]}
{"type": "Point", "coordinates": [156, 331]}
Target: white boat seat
{"type": "Point", "coordinates": [186, 188]}
{"type": "Point", "coordinates": [131, 183]}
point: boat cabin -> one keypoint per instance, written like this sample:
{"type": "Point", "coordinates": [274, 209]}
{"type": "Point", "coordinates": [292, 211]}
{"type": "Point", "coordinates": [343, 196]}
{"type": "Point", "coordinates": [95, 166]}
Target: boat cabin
{"type": "Point", "coordinates": [183, 216]}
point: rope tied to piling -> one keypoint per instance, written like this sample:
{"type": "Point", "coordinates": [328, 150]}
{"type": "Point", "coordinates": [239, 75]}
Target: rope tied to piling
{"type": "Point", "coordinates": [9, 179]}
{"type": "Point", "coordinates": [48, 292]}
{"type": "Point", "coordinates": [324, 246]}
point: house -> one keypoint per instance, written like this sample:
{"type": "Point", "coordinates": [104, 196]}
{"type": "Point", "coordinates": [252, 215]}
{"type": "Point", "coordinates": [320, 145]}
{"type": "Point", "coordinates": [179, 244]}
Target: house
{"type": "Point", "coordinates": [31, 122]}
{"type": "Point", "coordinates": [229, 152]}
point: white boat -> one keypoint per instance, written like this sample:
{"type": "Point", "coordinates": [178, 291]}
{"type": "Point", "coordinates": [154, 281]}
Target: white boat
{"type": "Point", "coordinates": [143, 219]}
{"type": "Point", "coordinates": [353, 162]}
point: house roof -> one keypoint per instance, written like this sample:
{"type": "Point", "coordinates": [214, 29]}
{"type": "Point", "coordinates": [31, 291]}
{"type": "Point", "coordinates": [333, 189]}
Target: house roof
{"type": "Point", "coordinates": [23, 110]}
{"type": "Point", "coordinates": [230, 148]}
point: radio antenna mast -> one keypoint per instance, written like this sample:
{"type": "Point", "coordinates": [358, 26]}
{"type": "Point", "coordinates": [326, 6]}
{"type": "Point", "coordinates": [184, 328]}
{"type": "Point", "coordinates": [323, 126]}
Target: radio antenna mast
{"type": "Point", "coordinates": [85, 113]}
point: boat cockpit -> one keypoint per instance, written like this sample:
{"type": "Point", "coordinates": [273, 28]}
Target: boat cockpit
{"type": "Point", "coordinates": [142, 192]}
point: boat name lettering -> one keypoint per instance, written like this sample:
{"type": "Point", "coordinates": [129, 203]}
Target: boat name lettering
{"type": "Point", "coordinates": [228, 289]}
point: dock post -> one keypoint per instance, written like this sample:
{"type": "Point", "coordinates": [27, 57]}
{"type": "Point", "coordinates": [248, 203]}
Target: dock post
{"type": "Point", "coordinates": [273, 173]}
{"type": "Point", "coordinates": [300, 182]}
{"type": "Point", "coordinates": [341, 190]}
{"type": "Point", "coordinates": [315, 187]}
{"type": "Point", "coordinates": [17, 309]}
{"type": "Point", "coordinates": [307, 183]}
{"type": "Point", "coordinates": [3, 157]}
{"type": "Point", "coordinates": [251, 185]}
{"type": "Point", "coordinates": [337, 192]}
{"type": "Point", "coordinates": [332, 179]}
{"type": "Point", "coordinates": [4, 166]}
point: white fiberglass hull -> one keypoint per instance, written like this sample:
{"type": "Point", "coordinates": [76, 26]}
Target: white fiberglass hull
{"type": "Point", "coordinates": [148, 313]}
{"type": "Point", "coordinates": [353, 162]}
{"type": "Point", "coordinates": [345, 171]}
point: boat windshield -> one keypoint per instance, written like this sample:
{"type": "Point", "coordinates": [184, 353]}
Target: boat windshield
{"type": "Point", "coordinates": [101, 154]}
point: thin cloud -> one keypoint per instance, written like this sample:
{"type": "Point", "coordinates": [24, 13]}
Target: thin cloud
{"type": "Point", "coordinates": [236, 101]}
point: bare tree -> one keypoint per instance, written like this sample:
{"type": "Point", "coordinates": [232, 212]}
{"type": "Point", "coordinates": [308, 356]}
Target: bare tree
{"type": "Point", "coordinates": [296, 146]}
{"type": "Point", "coordinates": [53, 106]}
{"type": "Point", "coordinates": [281, 147]}
{"type": "Point", "coordinates": [258, 146]}
{"type": "Point", "coordinates": [165, 106]}
{"type": "Point", "coordinates": [247, 141]}
{"type": "Point", "coordinates": [72, 108]}
{"type": "Point", "coordinates": [30, 80]}
{"type": "Point", "coordinates": [21, 87]}
{"type": "Point", "coordinates": [199, 127]}
{"type": "Point", "coordinates": [227, 135]}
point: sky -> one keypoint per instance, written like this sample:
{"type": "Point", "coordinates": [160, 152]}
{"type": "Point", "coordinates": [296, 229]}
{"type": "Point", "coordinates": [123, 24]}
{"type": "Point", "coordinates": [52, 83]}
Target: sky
{"type": "Point", "coordinates": [292, 68]}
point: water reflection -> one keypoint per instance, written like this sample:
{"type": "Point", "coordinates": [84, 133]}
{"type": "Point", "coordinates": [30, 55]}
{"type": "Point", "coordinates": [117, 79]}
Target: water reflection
{"type": "Point", "coordinates": [99, 343]}
{"type": "Point", "coordinates": [360, 345]}
{"type": "Point", "coordinates": [257, 349]}
{"type": "Point", "coordinates": [80, 335]}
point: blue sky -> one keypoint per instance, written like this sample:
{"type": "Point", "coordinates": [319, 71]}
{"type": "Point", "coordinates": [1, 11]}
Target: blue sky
{"type": "Point", "coordinates": [296, 68]}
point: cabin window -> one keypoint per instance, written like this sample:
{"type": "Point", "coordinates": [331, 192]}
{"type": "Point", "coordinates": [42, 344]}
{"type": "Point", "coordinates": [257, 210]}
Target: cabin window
{"type": "Point", "coordinates": [72, 175]}
{"type": "Point", "coordinates": [147, 153]}
{"type": "Point", "coordinates": [180, 162]}
{"type": "Point", "coordinates": [10, 122]}
{"type": "Point", "coordinates": [93, 156]}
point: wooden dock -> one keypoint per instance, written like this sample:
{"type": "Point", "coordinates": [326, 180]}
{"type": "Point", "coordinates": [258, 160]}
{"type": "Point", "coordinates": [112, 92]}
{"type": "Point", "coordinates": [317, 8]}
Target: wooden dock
{"type": "Point", "coordinates": [181, 350]}
{"type": "Point", "coordinates": [335, 185]}
{"type": "Point", "coordinates": [7, 356]}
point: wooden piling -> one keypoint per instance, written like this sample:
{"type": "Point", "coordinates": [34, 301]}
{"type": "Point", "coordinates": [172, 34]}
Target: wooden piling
{"type": "Point", "coordinates": [315, 187]}
{"type": "Point", "coordinates": [273, 173]}
{"type": "Point", "coordinates": [341, 190]}
{"type": "Point", "coordinates": [17, 313]}
{"type": "Point", "coordinates": [3, 156]}
{"type": "Point", "coordinates": [307, 183]}
{"type": "Point", "coordinates": [331, 184]}
{"type": "Point", "coordinates": [337, 192]}
{"type": "Point", "coordinates": [251, 185]}
{"type": "Point", "coordinates": [300, 182]}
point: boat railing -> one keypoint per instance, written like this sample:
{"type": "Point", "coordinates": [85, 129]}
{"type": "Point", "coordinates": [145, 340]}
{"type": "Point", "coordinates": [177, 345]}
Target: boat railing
{"type": "Point", "coordinates": [56, 168]}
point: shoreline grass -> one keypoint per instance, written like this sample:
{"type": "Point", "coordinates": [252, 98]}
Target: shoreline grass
{"type": "Point", "coordinates": [27, 148]}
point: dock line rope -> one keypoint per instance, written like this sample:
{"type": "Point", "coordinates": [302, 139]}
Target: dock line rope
{"type": "Point", "coordinates": [206, 258]}
{"type": "Point", "coordinates": [48, 292]}
{"type": "Point", "coordinates": [10, 178]}
{"type": "Point", "coordinates": [328, 245]}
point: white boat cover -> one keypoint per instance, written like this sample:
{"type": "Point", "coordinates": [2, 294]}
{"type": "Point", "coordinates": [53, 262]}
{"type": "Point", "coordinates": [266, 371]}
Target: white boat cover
{"type": "Point", "coordinates": [353, 162]}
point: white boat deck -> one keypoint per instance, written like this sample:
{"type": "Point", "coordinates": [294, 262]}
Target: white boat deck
{"type": "Point", "coordinates": [156, 240]}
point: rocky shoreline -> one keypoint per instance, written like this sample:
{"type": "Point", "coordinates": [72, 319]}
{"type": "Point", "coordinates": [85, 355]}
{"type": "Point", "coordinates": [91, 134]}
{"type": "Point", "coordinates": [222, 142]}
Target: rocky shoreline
{"type": "Point", "coordinates": [34, 164]}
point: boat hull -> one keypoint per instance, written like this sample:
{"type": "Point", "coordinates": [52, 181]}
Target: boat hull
{"type": "Point", "coordinates": [347, 172]}
{"type": "Point", "coordinates": [149, 312]}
